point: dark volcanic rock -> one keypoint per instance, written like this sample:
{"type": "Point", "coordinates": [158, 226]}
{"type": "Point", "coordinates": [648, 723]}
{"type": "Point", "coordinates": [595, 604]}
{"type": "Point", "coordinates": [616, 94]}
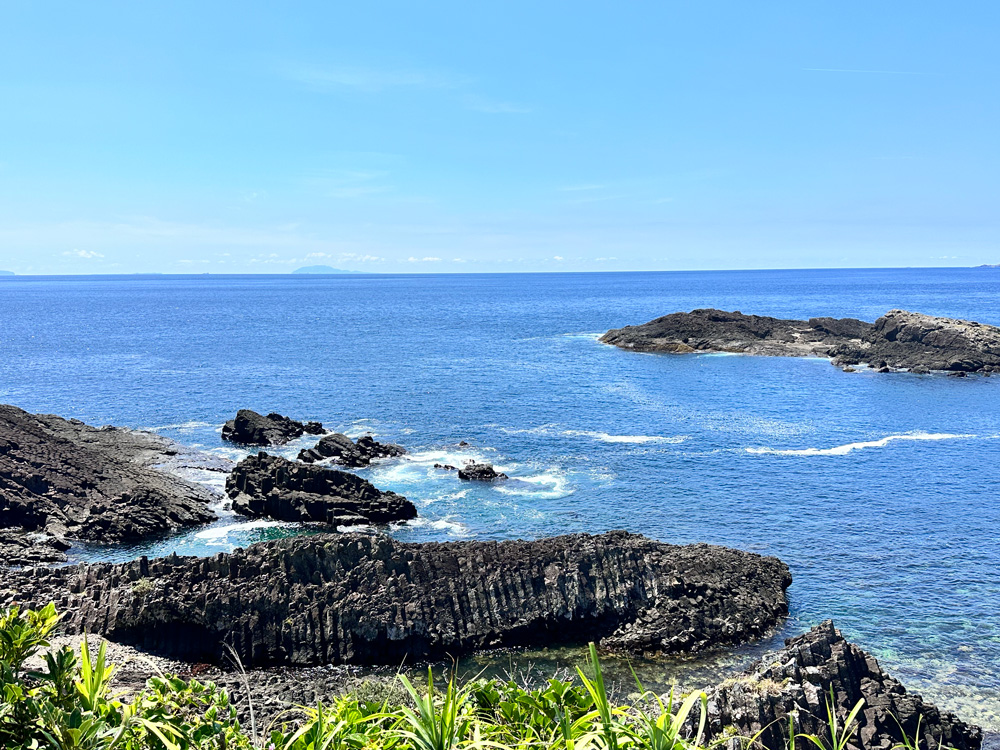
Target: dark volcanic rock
{"type": "Point", "coordinates": [343, 451]}
{"type": "Point", "coordinates": [20, 548]}
{"type": "Point", "coordinates": [720, 331]}
{"type": "Point", "coordinates": [96, 484]}
{"type": "Point", "coordinates": [264, 485]}
{"type": "Point", "coordinates": [911, 341]}
{"type": "Point", "coordinates": [356, 598]}
{"type": "Point", "coordinates": [798, 679]}
{"type": "Point", "coordinates": [251, 428]}
{"type": "Point", "coordinates": [480, 472]}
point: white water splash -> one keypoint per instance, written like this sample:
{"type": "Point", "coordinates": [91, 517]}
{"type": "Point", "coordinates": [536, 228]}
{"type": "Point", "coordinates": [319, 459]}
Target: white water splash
{"type": "Point", "coordinates": [843, 450]}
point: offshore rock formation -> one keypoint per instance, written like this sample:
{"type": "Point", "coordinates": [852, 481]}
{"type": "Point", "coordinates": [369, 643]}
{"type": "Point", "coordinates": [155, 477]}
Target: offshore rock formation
{"type": "Point", "coordinates": [251, 428]}
{"type": "Point", "coordinates": [343, 451]}
{"type": "Point", "coordinates": [362, 599]}
{"type": "Point", "coordinates": [899, 340]}
{"type": "Point", "coordinates": [479, 472]}
{"type": "Point", "coordinates": [95, 484]}
{"type": "Point", "coordinates": [271, 486]}
{"type": "Point", "coordinates": [911, 341]}
{"type": "Point", "coordinates": [719, 331]}
{"type": "Point", "coordinates": [798, 680]}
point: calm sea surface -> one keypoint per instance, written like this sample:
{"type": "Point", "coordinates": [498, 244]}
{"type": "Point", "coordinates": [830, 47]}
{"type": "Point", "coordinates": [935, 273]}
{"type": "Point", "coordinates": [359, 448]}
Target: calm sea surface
{"type": "Point", "coordinates": [880, 491]}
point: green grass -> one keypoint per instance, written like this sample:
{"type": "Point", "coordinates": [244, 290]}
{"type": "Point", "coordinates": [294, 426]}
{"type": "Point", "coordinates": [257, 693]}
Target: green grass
{"type": "Point", "coordinates": [70, 704]}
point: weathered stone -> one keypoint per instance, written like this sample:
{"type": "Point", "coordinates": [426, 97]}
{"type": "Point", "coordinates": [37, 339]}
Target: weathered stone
{"type": "Point", "coordinates": [480, 472]}
{"type": "Point", "coordinates": [342, 450]}
{"type": "Point", "coordinates": [271, 486]}
{"type": "Point", "coordinates": [20, 548]}
{"type": "Point", "coordinates": [356, 598]}
{"type": "Point", "coordinates": [251, 428]}
{"type": "Point", "coordinates": [797, 681]}
{"type": "Point", "coordinates": [96, 484]}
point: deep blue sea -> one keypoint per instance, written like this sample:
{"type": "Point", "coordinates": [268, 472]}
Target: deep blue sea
{"type": "Point", "coordinates": [880, 491]}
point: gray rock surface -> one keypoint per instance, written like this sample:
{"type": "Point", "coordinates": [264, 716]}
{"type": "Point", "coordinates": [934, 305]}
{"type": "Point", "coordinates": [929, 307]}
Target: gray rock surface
{"type": "Point", "coordinates": [274, 487]}
{"type": "Point", "coordinates": [798, 680]}
{"type": "Point", "coordinates": [345, 452]}
{"type": "Point", "coordinates": [102, 484]}
{"type": "Point", "coordinates": [479, 472]}
{"type": "Point", "coordinates": [363, 599]}
{"type": "Point", "coordinates": [251, 428]}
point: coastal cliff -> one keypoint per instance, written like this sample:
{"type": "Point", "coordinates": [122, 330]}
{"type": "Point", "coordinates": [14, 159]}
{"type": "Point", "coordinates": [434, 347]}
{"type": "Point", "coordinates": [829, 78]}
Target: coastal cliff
{"type": "Point", "coordinates": [360, 599]}
{"type": "Point", "coordinates": [899, 340]}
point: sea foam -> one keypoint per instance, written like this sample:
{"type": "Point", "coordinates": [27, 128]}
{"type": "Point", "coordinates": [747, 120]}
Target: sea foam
{"type": "Point", "coordinates": [843, 450]}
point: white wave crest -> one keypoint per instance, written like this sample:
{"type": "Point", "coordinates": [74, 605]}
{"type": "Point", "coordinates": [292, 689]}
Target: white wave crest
{"type": "Point", "coordinates": [182, 426]}
{"type": "Point", "coordinates": [606, 438]}
{"type": "Point", "coordinates": [454, 528]}
{"type": "Point", "coordinates": [219, 534]}
{"type": "Point", "coordinates": [843, 450]}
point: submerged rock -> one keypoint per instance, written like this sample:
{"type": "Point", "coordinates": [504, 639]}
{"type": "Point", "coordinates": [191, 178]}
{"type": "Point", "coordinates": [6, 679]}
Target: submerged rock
{"type": "Point", "coordinates": [274, 487]}
{"type": "Point", "coordinates": [345, 452]}
{"type": "Point", "coordinates": [95, 484]}
{"type": "Point", "coordinates": [480, 472]}
{"type": "Point", "coordinates": [798, 679]}
{"type": "Point", "coordinates": [363, 599]}
{"type": "Point", "coordinates": [251, 428]}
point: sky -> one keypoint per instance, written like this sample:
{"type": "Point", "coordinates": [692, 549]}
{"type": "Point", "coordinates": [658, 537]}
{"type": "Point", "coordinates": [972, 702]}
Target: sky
{"type": "Point", "coordinates": [513, 136]}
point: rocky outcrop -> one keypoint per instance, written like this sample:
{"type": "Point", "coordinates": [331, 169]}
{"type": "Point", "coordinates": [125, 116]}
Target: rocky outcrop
{"type": "Point", "coordinates": [96, 484]}
{"type": "Point", "coordinates": [357, 598]}
{"type": "Point", "coordinates": [479, 472]}
{"type": "Point", "coordinates": [719, 331]}
{"type": "Point", "coordinates": [20, 548]}
{"type": "Point", "coordinates": [271, 486]}
{"type": "Point", "coordinates": [902, 340]}
{"type": "Point", "coordinates": [798, 679]}
{"type": "Point", "coordinates": [899, 340]}
{"type": "Point", "coordinates": [251, 428]}
{"type": "Point", "coordinates": [343, 451]}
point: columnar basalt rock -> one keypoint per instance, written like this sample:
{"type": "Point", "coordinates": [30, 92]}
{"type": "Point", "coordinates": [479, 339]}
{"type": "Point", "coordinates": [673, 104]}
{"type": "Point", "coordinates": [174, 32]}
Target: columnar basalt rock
{"type": "Point", "coordinates": [798, 680]}
{"type": "Point", "coordinates": [363, 599]}
{"type": "Point", "coordinates": [96, 484]}
{"type": "Point", "coordinates": [274, 487]}
{"type": "Point", "coordinates": [345, 452]}
{"type": "Point", "coordinates": [251, 428]}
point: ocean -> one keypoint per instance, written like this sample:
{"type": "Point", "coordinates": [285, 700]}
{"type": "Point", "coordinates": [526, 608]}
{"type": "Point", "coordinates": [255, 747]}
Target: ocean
{"type": "Point", "coordinates": [879, 491]}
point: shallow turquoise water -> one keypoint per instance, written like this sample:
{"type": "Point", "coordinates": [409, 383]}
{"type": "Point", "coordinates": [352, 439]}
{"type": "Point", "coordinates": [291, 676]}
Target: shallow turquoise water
{"type": "Point", "coordinates": [879, 491]}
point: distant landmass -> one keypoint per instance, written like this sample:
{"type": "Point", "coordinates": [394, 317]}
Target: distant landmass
{"type": "Point", "coordinates": [322, 269]}
{"type": "Point", "coordinates": [989, 265]}
{"type": "Point", "coordinates": [6, 273]}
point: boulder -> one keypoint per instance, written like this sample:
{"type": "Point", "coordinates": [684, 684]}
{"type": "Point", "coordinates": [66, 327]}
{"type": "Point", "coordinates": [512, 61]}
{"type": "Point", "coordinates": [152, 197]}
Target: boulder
{"type": "Point", "coordinates": [480, 472]}
{"type": "Point", "coordinates": [342, 450]}
{"type": "Point", "coordinates": [251, 428]}
{"type": "Point", "coordinates": [75, 481]}
{"type": "Point", "coordinates": [797, 681]}
{"type": "Point", "coordinates": [368, 599]}
{"type": "Point", "coordinates": [262, 485]}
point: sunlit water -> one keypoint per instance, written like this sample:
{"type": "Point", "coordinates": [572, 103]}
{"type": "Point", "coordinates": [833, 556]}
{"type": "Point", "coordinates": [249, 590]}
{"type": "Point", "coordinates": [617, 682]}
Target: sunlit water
{"type": "Point", "coordinates": [879, 491]}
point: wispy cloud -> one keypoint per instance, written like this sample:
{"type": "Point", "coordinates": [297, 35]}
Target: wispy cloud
{"type": "Point", "coordinates": [369, 79]}
{"type": "Point", "coordinates": [88, 254]}
{"type": "Point", "coordinates": [411, 259]}
{"type": "Point", "coordinates": [496, 107]}
{"type": "Point", "coordinates": [854, 70]}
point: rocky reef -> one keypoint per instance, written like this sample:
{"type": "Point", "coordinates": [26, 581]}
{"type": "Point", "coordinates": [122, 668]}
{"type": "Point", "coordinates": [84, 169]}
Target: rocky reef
{"type": "Point", "coordinates": [251, 428]}
{"type": "Point", "coordinates": [345, 452]}
{"type": "Point", "coordinates": [899, 340]}
{"type": "Point", "coordinates": [71, 480]}
{"type": "Point", "coordinates": [274, 487]}
{"type": "Point", "coordinates": [798, 680]}
{"type": "Point", "coordinates": [480, 472]}
{"type": "Point", "coordinates": [363, 599]}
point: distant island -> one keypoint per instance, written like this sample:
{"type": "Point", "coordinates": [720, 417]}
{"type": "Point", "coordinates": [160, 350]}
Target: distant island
{"type": "Point", "coordinates": [989, 265]}
{"type": "Point", "coordinates": [322, 269]}
{"type": "Point", "coordinates": [6, 273]}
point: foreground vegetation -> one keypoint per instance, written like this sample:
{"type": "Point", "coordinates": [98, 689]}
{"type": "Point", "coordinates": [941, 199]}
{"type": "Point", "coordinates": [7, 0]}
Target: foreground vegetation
{"type": "Point", "coordinates": [69, 704]}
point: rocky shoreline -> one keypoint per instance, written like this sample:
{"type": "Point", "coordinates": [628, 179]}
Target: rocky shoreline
{"type": "Point", "coordinates": [897, 341]}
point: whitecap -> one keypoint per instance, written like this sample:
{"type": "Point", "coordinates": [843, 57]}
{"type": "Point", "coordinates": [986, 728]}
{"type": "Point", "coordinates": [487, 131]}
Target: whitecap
{"type": "Point", "coordinates": [454, 528]}
{"type": "Point", "coordinates": [548, 486]}
{"type": "Point", "coordinates": [843, 450]}
{"type": "Point", "coordinates": [217, 534]}
{"type": "Point", "coordinates": [182, 426]}
{"type": "Point", "coordinates": [604, 437]}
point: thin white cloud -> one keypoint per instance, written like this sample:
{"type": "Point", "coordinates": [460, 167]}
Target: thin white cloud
{"type": "Point", "coordinates": [88, 254]}
{"type": "Point", "coordinates": [411, 259]}
{"type": "Point", "coordinates": [368, 79]}
{"type": "Point", "coordinates": [854, 70]}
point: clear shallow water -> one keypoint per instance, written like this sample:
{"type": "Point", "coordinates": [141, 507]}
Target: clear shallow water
{"type": "Point", "coordinates": [879, 491]}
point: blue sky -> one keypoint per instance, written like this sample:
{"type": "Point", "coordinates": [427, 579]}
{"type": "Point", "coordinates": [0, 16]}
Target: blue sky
{"type": "Point", "coordinates": [466, 137]}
